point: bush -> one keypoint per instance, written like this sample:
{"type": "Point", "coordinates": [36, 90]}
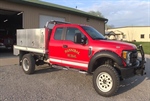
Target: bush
{"type": "Point", "coordinates": [146, 46]}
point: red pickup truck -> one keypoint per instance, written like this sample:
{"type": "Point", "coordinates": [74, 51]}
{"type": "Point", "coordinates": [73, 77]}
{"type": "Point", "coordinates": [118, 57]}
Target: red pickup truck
{"type": "Point", "coordinates": [83, 48]}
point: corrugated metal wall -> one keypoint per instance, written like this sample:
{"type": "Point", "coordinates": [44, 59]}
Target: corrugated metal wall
{"type": "Point", "coordinates": [31, 16]}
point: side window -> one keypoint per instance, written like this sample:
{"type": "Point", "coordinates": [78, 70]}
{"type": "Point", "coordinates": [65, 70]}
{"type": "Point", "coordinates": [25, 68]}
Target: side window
{"type": "Point", "coordinates": [71, 32]}
{"type": "Point", "coordinates": [58, 33]}
{"type": "Point", "coordinates": [142, 36]}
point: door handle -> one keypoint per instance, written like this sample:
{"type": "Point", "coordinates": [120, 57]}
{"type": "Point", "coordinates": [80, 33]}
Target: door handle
{"type": "Point", "coordinates": [65, 46]}
{"type": "Point", "coordinates": [90, 51]}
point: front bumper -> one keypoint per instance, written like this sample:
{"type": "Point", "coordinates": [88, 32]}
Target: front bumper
{"type": "Point", "coordinates": [138, 69]}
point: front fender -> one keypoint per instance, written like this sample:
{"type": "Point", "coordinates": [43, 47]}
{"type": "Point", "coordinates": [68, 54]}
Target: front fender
{"type": "Point", "coordinates": [104, 54]}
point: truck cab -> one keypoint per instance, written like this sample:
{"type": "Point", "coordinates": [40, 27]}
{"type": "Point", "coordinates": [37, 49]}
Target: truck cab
{"type": "Point", "coordinates": [83, 48]}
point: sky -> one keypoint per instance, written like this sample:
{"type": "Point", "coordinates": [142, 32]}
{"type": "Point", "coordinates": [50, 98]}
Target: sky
{"type": "Point", "coordinates": [120, 13]}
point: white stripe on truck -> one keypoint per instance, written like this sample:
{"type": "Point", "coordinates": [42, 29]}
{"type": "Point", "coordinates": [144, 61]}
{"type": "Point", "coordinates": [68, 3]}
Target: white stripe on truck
{"type": "Point", "coordinates": [69, 62]}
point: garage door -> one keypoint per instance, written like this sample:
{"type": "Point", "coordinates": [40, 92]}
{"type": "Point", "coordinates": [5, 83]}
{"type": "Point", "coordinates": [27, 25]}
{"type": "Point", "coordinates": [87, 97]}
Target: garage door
{"type": "Point", "coordinates": [44, 19]}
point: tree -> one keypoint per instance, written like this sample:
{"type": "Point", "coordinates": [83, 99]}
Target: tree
{"type": "Point", "coordinates": [109, 26]}
{"type": "Point", "coordinates": [96, 13]}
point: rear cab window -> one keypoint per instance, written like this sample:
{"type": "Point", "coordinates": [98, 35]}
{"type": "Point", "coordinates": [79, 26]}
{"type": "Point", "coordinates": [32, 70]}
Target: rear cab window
{"type": "Point", "coordinates": [58, 33]}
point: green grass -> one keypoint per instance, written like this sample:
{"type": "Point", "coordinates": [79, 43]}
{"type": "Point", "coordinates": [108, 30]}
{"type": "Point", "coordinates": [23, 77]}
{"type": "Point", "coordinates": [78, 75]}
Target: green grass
{"type": "Point", "coordinates": [146, 46]}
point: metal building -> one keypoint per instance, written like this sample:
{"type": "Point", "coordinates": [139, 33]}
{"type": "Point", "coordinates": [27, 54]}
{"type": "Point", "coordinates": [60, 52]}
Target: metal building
{"type": "Point", "coordinates": [18, 14]}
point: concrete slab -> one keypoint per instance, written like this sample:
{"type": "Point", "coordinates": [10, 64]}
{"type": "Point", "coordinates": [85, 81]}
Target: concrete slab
{"type": "Point", "coordinates": [9, 61]}
{"type": "Point", "coordinates": [7, 57]}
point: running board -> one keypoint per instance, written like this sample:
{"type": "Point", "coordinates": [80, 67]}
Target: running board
{"type": "Point", "coordinates": [71, 69]}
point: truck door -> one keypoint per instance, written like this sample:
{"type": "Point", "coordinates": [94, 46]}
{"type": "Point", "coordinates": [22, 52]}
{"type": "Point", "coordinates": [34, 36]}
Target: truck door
{"type": "Point", "coordinates": [74, 55]}
{"type": "Point", "coordinates": [55, 46]}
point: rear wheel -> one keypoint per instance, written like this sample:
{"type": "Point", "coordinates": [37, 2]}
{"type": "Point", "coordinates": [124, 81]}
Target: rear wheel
{"type": "Point", "coordinates": [106, 80]}
{"type": "Point", "coordinates": [28, 64]}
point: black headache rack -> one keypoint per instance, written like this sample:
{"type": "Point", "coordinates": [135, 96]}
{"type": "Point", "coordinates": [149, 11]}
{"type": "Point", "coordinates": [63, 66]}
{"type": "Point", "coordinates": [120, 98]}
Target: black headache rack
{"type": "Point", "coordinates": [141, 67]}
{"type": "Point", "coordinates": [56, 22]}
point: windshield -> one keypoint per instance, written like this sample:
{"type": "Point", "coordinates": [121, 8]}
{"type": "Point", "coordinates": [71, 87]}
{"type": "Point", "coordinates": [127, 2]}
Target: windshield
{"type": "Point", "coordinates": [93, 33]}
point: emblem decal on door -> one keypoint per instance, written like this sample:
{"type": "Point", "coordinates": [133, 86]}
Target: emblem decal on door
{"type": "Point", "coordinates": [72, 50]}
{"type": "Point", "coordinates": [72, 53]}
{"type": "Point", "coordinates": [71, 56]}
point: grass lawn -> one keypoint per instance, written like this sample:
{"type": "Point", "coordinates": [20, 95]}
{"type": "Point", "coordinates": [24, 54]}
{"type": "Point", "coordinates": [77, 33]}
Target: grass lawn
{"type": "Point", "coordinates": [146, 46]}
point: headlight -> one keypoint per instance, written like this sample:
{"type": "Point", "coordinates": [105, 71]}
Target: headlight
{"type": "Point", "coordinates": [126, 56]}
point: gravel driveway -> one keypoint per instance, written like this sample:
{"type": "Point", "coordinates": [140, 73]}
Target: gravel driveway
{"type": "Point", "coordinates": [49, 84]}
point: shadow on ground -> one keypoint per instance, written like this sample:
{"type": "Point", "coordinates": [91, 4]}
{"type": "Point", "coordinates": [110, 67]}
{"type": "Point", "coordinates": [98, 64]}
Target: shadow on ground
{"type": "Point", "coordinates": [45, 69]}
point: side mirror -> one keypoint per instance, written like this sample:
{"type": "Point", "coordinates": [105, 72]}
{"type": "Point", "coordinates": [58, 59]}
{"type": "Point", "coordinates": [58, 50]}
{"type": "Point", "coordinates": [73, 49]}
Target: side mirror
{"type": "Point", "coordinates": [84, 40]}
{"type": "Point", "coordinates": [77, 38]}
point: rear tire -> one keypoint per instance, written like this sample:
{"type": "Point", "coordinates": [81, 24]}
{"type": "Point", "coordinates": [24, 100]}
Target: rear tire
{"type": "Point", "coordinates": [28, 64]}
{"type": "Point", "coordinates": [106, 80]}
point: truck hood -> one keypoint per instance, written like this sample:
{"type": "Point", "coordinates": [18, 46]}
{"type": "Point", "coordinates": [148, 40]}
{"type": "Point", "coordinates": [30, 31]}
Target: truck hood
{"type": "Point", "coordinates": [116, 44]}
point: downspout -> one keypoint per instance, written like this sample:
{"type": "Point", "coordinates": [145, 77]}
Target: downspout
{"type": "Point", "coordinates": [105, 25]}
{"type": "Point", "coordinates": [105, 22]}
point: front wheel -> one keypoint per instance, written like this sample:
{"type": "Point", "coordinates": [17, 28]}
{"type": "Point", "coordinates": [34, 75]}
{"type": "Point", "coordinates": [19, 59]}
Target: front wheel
{"type": "Point", "coordinates": [106, 80]}
{"type": "Point", "coordinates": [28, 64]}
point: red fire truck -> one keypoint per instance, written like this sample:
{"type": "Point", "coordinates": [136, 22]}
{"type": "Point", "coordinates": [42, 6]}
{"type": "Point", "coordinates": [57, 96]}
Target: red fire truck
{"type": "Point", "coordinates": [83, 48]}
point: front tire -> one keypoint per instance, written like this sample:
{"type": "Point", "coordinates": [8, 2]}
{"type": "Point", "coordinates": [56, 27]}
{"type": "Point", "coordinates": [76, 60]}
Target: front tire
{"type": "Point", "coordinates": [106, 80]}
{"type": "Point", "coordinates": [28, 64]}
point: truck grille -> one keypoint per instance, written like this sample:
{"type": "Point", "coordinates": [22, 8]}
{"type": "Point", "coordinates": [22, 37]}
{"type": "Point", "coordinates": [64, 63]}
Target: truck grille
{"type": "Point", "coordinates": [133, 57]}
